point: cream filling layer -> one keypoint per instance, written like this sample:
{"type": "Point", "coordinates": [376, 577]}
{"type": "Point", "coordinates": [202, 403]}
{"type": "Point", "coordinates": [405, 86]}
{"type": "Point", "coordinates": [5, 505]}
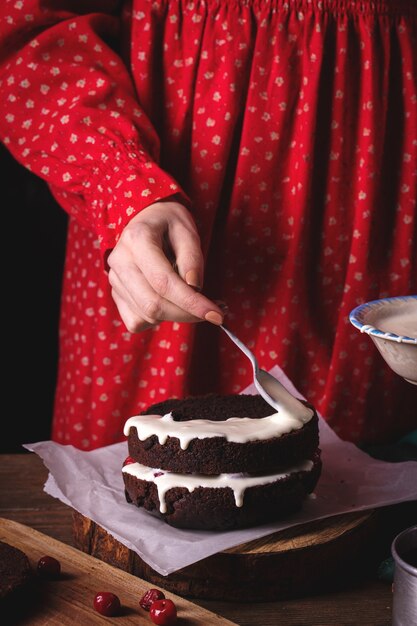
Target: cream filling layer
{"type": "Point", "coordinates": [238, 483]}
{"type": "Point", "coordinates": [235, 429]}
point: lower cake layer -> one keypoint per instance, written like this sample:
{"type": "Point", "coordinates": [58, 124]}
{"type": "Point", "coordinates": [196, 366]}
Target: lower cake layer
{"type": "Point", "coordinates": [220, 502]}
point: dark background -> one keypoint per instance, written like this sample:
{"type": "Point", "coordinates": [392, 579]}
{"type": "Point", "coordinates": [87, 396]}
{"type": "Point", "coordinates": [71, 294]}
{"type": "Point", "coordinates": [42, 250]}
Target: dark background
{"type": "Point", "coordinates": [33, 237]}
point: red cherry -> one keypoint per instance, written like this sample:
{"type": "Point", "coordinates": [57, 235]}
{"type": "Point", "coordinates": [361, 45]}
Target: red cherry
{"type": "Point", "coordinates": [149, 597]}
{"type": "Point", "coordinates": [163, 613]}
{"type": "Point", "coordinates": [107, 603]}
{"type": "Point", "coordinates": [128, 460]}
{"type": "Point", "coordinates": [48, 567]}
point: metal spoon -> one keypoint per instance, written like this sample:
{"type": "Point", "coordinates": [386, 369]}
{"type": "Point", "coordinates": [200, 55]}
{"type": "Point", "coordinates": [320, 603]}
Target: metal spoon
{"type": "Point", "coordinates": [272, 391]}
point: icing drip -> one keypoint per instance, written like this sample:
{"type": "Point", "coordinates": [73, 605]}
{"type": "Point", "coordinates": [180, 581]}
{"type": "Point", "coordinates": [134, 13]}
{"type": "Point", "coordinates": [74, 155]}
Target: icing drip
{"type": "Point", "coordinates": [235, 429]}
{"type": "Point", "coordinates": [237, 482]}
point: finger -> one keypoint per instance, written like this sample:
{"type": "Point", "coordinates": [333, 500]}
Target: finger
{"type": "Point", "coordinates": [133, 322]}
{"type": "Point", "coordinates": [223, 306]}
{"type": "Point", "coordinates": [185, 244]}
{"type": "Point", "coordinates": [119, 287]}
{"type": "Point", "coordinates": [143, 301]}
{"type": "Point", "coordinates": [159, 273]}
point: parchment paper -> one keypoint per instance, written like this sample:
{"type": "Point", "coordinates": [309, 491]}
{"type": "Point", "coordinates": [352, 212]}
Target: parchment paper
{"type": "Point", "coordinates": [91, 483]}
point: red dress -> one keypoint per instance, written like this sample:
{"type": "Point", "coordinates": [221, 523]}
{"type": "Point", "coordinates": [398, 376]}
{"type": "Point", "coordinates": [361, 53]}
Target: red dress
{"type": "Point", "coordinates": [291, 127]}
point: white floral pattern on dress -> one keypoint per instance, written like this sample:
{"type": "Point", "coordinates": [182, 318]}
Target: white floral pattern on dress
{"type": "Point", "coordinates": [291, 127]}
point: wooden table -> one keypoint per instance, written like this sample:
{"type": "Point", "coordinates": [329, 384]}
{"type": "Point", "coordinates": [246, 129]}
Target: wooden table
{"type": "Point", "coordinates": [22, 499]}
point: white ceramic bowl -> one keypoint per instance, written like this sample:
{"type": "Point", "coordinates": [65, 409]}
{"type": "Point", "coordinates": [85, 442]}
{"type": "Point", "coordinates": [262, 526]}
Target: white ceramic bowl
{"type": "Point", "coordinates": [391, 323]}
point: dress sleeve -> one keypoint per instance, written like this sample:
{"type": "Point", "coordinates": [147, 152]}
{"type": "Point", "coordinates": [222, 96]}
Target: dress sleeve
{"type": "Point", "coordinates": [69, 112]}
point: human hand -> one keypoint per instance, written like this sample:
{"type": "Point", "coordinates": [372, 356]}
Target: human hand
{"type": "Point", "coordinates": [145, 286]}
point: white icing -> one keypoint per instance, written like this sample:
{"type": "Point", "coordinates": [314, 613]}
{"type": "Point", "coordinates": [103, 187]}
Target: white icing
{"type": "Point", "coordinates": [401, 322]}
{"type": "Point", "coordinates": [280, 399]}
{"type": "Point", "coordinates": [235, 429]}
{"type": "Point", "coordinates": [397, 318]}
{"type": "Point", "coordinates": [237, 482]}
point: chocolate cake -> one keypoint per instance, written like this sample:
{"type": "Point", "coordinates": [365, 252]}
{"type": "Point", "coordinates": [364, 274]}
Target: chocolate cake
{"type": "Point", "coordinates": [15, 572]}
{"type": "Point", "coordinates": [216, 455]}
{"type": "Point", "coordinates": [220, 462]}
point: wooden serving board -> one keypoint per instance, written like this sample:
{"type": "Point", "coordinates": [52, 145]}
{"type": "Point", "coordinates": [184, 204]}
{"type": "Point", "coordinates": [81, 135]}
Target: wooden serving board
{"type": "Point", "coordinates": [299, 561]}
{"type": "Point", "coordinates": [69, 600]}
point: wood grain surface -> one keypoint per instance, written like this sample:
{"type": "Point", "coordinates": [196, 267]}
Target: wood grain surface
{"type": "Point", "coordinates": [69, 600]}
{"type": "Point", "coordinates": [364, 601]}
{"type": "Point", "coordinates": [307, 535]}
{"type": "Point", "coordinates": [316, 557]}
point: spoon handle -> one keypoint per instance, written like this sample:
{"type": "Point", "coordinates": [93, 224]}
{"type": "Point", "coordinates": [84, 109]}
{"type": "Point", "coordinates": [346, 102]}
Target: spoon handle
{"type": "Point", "coordinates": [242, 347]}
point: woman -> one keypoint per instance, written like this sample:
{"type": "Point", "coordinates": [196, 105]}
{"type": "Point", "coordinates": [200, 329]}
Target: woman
{"type": "Point", "coordinates": [261, 150]}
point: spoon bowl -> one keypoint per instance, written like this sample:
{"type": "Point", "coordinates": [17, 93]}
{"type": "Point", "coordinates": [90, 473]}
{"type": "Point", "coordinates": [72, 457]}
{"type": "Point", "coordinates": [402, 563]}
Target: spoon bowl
{"type": "Point", "coordinates": [271, 390]}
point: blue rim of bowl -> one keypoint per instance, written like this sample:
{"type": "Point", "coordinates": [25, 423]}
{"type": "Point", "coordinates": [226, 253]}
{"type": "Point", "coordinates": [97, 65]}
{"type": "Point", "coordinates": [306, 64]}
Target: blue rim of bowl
{"type": "Point", "coordinates": [356, 318]}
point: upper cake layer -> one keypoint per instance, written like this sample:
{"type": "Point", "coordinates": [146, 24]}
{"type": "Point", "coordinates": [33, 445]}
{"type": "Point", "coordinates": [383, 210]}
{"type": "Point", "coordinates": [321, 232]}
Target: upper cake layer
{"type": "Point", "coordinates": [216, 434]}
